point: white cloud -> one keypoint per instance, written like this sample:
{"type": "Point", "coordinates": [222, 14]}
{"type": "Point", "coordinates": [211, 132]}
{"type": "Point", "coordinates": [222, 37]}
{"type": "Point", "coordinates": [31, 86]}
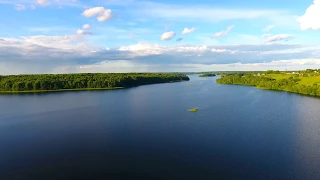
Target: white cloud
{"type": "Point", "coordinates": [219, 50]}
{"type": "Point", "coordinates": [310, 20]}
{"type": "Point", "coordinates": [32, 6]}
{"type": "Point", "coordinates": [132, 66]}
{"type": "Point", "coordinates": [142, 49]}
{"type": "Point", "coordinates": [93, 11]}
{"type": "Point", "coordinates": [268, 28]}
{"type": "Point", "coordinates": [168, 36]}
{"type": "Point", "coordinates": [60, 43]}
{"type": "Point", "coordinates": [279, 37]}
{"type": "Point", "coordinates": [20, 7]}
{"type": "Point", "coordinates": [83, 32]}
{"type": "Point", "coordinates": [48, 54]}
{"type": "Point", "coordinates": [223, 33]}
{"type": "Point", "coordinates": [292, 64]}
{"type": "Point", "coordinates": [115, 67]}
{"type": "Point", "coordinates": [101, 13]}
{"type": "Point", "coordinates": [80, 32]}
{"type": "Point", "coordinates": [43, 2]}
{"type": "Point", "coordinates": [86, 26]}
{"type": "Point", "coordinates": [41, 54]}
{"type": "Point", "coordinates": [187, 30]}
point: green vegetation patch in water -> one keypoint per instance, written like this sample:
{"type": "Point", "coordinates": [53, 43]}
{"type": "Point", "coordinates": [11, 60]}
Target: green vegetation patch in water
{"type": "Point", "coordinates": [194, 110]}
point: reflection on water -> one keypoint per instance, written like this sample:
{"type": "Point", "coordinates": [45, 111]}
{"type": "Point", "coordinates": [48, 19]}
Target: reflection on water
{"type": "Point", "coordinates": [308, 139]}
{"type": "Point", "coordinates": [146, 132]}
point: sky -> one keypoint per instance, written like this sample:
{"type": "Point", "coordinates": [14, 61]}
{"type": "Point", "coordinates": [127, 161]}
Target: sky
{"type": "Point", "coordinates": [74, 36]}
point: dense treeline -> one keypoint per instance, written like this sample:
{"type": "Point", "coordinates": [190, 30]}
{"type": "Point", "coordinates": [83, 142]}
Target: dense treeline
{"type": "Point", "coordinates": [207, 75]}
{"type": "Point", "coordinates": [289, 84]}
{"type": "Point", "coordinates": [41, 82]}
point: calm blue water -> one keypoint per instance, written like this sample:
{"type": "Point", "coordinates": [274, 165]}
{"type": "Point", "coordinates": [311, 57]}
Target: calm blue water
{"type": "Point", "coordinates": [146, 132]}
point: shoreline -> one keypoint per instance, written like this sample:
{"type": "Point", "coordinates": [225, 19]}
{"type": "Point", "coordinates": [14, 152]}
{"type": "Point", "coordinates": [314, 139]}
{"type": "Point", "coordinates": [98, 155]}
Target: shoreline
{"type": "Point", "coordinates": [276, 90]}
{"type": "Point", "coordinates": [80, 89]}
{"type": "Point", "coordinates": [60, 90]}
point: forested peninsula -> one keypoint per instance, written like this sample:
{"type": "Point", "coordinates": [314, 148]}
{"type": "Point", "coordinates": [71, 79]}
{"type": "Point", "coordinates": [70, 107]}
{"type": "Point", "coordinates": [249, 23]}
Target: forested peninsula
{"type": "Point", "coordinates": [302, 82]}
{"type": "Point", "coordinates": [207, 75]}
{"type": "Point", "coordinates": [83, 81]}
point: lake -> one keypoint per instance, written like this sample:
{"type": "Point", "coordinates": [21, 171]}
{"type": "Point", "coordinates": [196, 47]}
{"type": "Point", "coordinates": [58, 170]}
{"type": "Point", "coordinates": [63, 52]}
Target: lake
{"type": "Point", "coordinates": [146, 132]}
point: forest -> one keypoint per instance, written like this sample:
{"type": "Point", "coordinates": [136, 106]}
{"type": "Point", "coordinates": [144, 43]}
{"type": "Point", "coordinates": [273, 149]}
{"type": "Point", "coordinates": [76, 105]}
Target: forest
{"type": "Point", "coordinates": [207, 75]}
{"type": "Point", "coordinates": [304, 82]}
{"type": "Point", "coordinates": [50, 82]}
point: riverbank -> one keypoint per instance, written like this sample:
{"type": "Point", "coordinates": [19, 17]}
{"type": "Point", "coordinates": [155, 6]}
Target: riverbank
{"type": "Point", "coordinates": [305, 82]}
{"type": "Point", "coordinates": [60, 90]}
{"type": "Point", "coordinates": [42, 83]}
{"type": "Point", "coordinates": [68, 90]}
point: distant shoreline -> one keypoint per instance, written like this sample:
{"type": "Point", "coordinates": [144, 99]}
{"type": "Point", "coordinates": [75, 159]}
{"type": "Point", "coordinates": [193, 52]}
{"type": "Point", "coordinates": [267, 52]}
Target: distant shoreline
{"type": "Point", "coordinates": [303, 82]}
{"type": "Point", "coordinates": [80, 89]}
{"type": "Point", "coordinates": [60, 90]}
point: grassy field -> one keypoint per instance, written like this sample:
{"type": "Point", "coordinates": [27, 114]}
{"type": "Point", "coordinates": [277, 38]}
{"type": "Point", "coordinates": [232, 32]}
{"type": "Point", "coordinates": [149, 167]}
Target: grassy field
{"type": "Point", "coordinates": [308, 81]}
{"type": "Point", "coordinates": [278, 76]}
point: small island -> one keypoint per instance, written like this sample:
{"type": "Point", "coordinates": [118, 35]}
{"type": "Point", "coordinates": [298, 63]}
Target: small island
{"type": "Point", "coordinates": [207, 75]}
{"type": "Point", "coordinates": [193, 110]}
{"type": "Point", "coordinates": [35, 83]}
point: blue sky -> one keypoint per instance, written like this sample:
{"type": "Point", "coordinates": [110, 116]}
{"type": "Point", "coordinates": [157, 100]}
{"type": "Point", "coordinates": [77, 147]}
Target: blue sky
{"type": "Point", "coordinates": [61, 36]}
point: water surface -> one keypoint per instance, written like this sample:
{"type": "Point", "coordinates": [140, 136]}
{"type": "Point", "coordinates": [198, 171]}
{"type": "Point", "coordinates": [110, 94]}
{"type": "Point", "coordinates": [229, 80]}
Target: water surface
{"type": "Point", "coordinates": [146, 132]}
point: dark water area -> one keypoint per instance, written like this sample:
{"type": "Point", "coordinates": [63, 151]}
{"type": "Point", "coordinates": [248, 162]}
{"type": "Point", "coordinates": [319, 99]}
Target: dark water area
{"type": "Point", "coordinates": [146, 132]}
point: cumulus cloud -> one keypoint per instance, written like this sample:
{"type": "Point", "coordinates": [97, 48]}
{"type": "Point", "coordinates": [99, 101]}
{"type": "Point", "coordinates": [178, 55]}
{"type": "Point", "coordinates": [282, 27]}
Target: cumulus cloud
{"type": "Point", "coordinates": [268, 28]}
{"type": "Point", "coordinates": [223, 33]}
{"type": "Point", "coordinates": [310, 20]}
{"type": "Point", "coordinates": [213, 54]}
{"type": "Point", "coordinates": [219, 50]}
{"type": "Point", "coordinates": [47, 54]}
{"type": "Point", "coordinates": [141, 49]}
{"type": "Point", "coordinates": [83, 32]}
{"type": "Point", "coordinates": [60, 43]}
{"type": "Point", "coordinates": [168, 36]}
{"type": "Point", "coordinates": [41, 54]}
{"type": "Point", "coordinates": [279, 37]}
{"type": "Point", "coordinates": [131, 66]}
{"type": "Point", "coordinates": [115, 67]}
{"type": "Point", "coordinates": [80, 31]}
{"type": "Point", "coordinates": [188, 31]}
{"type": "Point", "coordinates": [101, 13]}
{"type": "Point", "coordinates": [86, 26]}
{"type": "Point", "coordinates": [43, 2]}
